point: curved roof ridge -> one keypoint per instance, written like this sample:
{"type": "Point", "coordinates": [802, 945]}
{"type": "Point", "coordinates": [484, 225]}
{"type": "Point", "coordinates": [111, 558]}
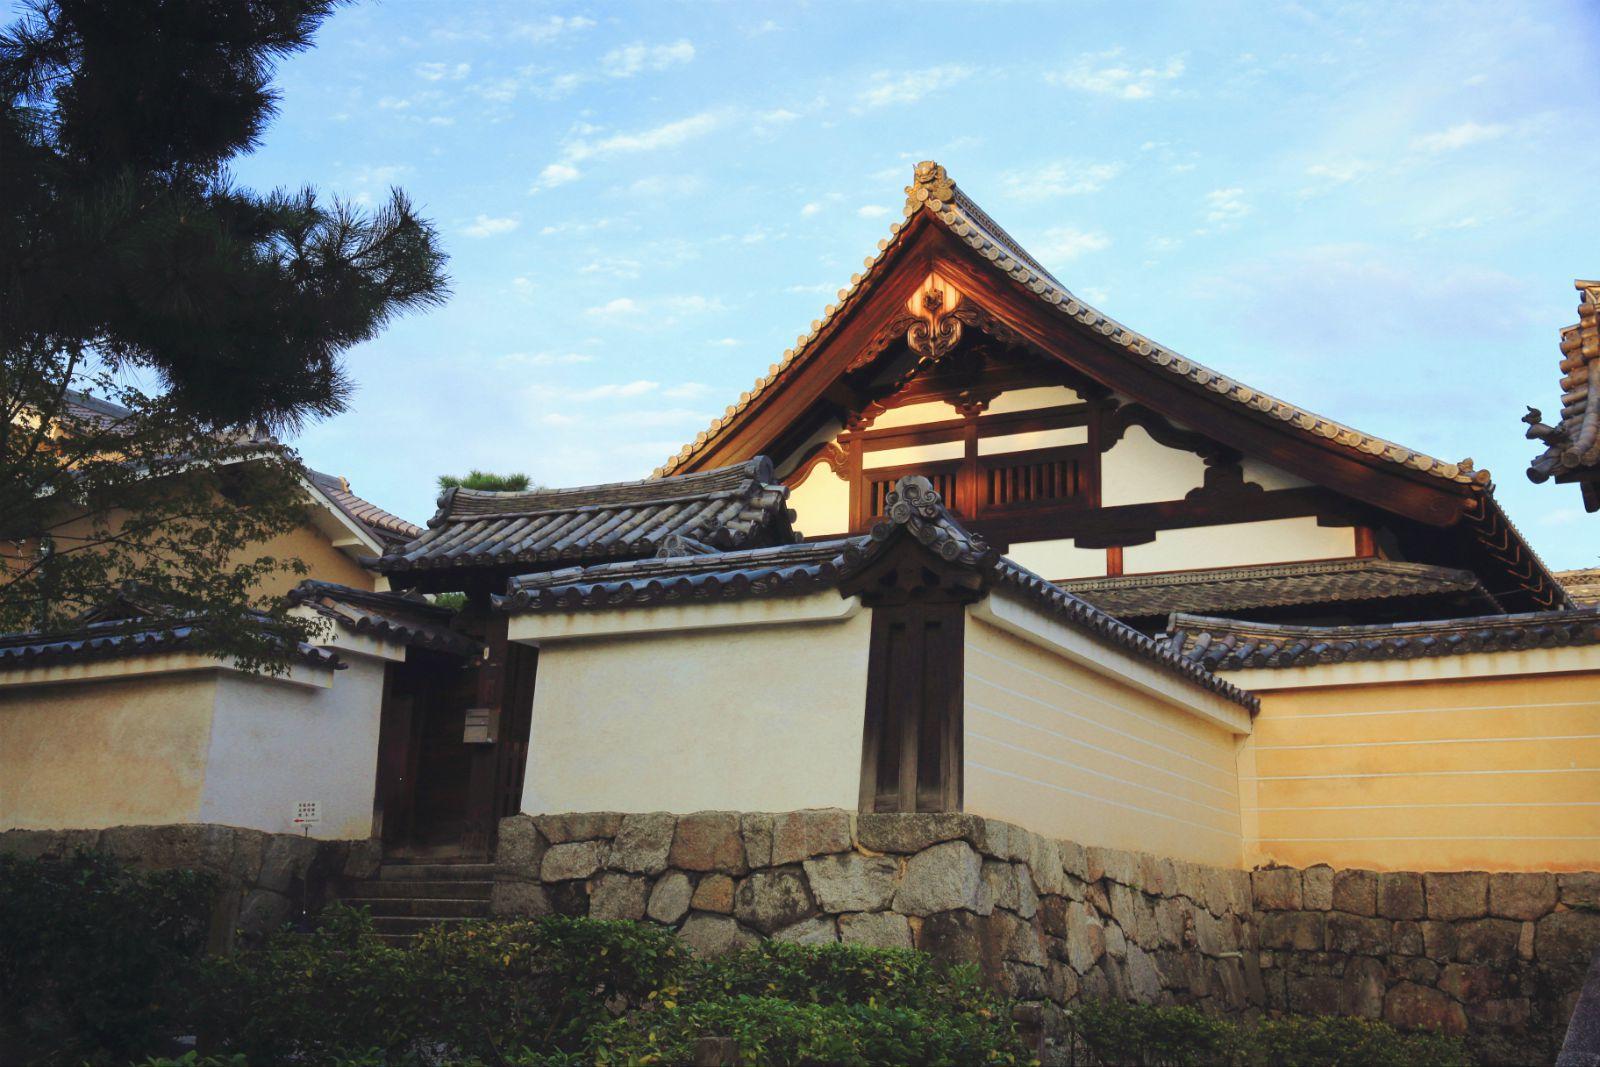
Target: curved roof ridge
{"type": "Point", "coordinates": [934, 192]}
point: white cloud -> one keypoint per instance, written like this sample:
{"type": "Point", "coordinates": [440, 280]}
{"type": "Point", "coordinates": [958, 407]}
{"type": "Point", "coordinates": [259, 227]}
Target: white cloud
{"type": "Point", "coordinates": [872, 211]}
{"type": "Point", "coordinates": [556, 174]}
{"type": "Point", "coordinates": [907, 87]}
{"type": "Point", "coordinates": [615, 267]}
{"type": "Point", "coordinates": [490, 226]}
{"type": "Point", "coordinates": [1063, 178]}
{"type": "Point", "coordinates": [688, 390]}
{"type": "Point", "coordinates": [667, 135]}
{"type": "Point", "coordinates": [1459, 136]}
{"type": "Point", "coordinates": [634, 58]}
{"type": "Point", "coordinates": [693, 304]}
{"type": "Point", "coordinates": [443, 71]}
{"type": "Point", "coordinates": [545, 359]}
{"type": "Point", "coordinates": [1104, 74]}
{"type": "Point", "coordinates": [548, 29]}
{"type": "Point", "coordinates": [820, 287]}
{"type": "Point", "coordinates": [810, 209]}
{"type": "Point", "coordinates": [1065, 243]}
{"type": "Point", "coordinates": [607, 392]}
{"type": "Point", "coordinates": [1226, 205]}
{"type": "Point", "coordinates": [663, 186]}
{"type": "Point", "coordinates": [621, 307]}
{"type": "Point", "coordinates": [726, 342]}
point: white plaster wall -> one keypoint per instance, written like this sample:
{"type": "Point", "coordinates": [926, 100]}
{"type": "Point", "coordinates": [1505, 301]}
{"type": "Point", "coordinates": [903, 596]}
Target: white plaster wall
{"type": "Point", "coordinates": [1044, 396]}
{"type": "Point", "coordinates": [903, 457]}
{"type": "Point", "coordinates": [1269, 477]}
{"type": "Point", "coordinates": [1059, 560]}
{"type": "Point", "coordinates": [1138, 470]}
{"type": "Point", "coordinates": [761, 719]}
{"type": "Point", "coordinates": [916, 415]}
{"type": "Point", "coordinates": [1242, 543]}
{"type": "Point", "coordinates": [1022, 442]}
{"type": "Point", "coordinates": [273, 744]}
{"type": "Point", "coordinates": [821, 503]}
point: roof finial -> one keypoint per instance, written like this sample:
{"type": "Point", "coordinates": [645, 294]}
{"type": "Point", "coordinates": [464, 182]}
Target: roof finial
{"type": "Point", "coordinates": [929, 182]}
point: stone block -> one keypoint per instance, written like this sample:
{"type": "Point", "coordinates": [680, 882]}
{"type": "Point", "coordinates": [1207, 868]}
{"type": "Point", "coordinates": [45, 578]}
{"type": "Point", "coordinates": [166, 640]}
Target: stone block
{"type": "Point", "coordinates": [1317, 887]}
{"type": "Point", "coordinates": [1085, 935]}
{"type": "Point", "coordinates": [1400, 895]}
{"type": "Point", "coordinates": [1580, 890]}
{"type": "Point", "coordinates": [1355, 892]}
{"type": "Point", "coordinates": [1301, 931]}
{"type": "Point", "coordinates": [31, 844]}
{"type": "Point", "coordinates": [1116, 942]}
{"type": "Point", "coordinates": [708, 841]}
{"type": "Point", "coordinates": [819, 930]}
{"type": "Point", "coordinates": [568, 898]}
{"type": "Point", "coordinates": [881, 929]}
{"type": "Point", "coordinates": [1144, 979]}
{"type": "Point", "coordinates": [1567, 937]}
{"type": "Point", "coordinates": [1006, 842]}
{"type": "Point", "coordinates": [1045, 865]}
{"type": "Point", "coordinates": [519, 900]}
{"type": "Point", "coordinates": [642, 843]}
{"type": "Point", "coordinates": [1022, 982]}
{"type": "Point", "coordinates": [1171, 921]}
{"type": "Point", "coordinates": [519, 848]}
{"type": "Point", "coordinates": [770, 900]}
{"type": "Point", "coordinates": [851, 881]}
{"type": "Point", "coordinates": [361, 859]}
{"type": "Point", "coordinates": [1112, 863]}
{"type": "Point", "coordinates": [942, 878]}
{"type": "Point", "coordinates": [262, 912]}
{"type": "Point", "coordinates": [1053, 915]}
{"type": "Point", "coordinates": [1525, 941]}
{"type": "Point", "coordinates": [571, 861]}
{"type": "Point", "coordinates": [900, 832]}
{"type": "Point", "coordinates": [709, 936]}
{"type": "Point", "coordinates": [800, 835]}
{"type": "Point", "coordinates": [1011, 886]}
{"type": "Point", "coordinates": [1061, 983]}
{"type": "Point", "coordinates": [1492, 941]}
{"type": "Point", "coordinates": [1469, 982]}
{"type": "Point", "coordinates": [284, 861]}
{"type": "Point", "coordinates": [1358, 935]}
{"type": "Point", "coordinates": [755, 828]}
{"type": "Point", "coordinates": [1414, 1007]}
{"type": "Point", "coordinates": [1510, 1013]}
{"type": "Point", "coordinates": [1457, 895]}
{"type": "Point", "coordinates": [1074, 860]}
{"type": "Point", "coordinates": [619, 896]}
{"type": "Point", "coordinates": [669, 898]}
{"type": "Point", "coordinates": [1276, 888]}
{"type": "Point", "coordinates": [250, 847]}
{"type": "Point", "coordinates": [1439, 941]}
{"type": "Point", "coordinates": [578, 826]}
{"type": "Point", "coordinates": [714, 893]}
{"type": "Point", "coordinates": [1365, 980]}
{"type": "Point", "coordinates": [1153, 874]}
{"type": "Point", "coordinates": [1522, 896]}
{"type": "Point", "coordinates": [1407, 938]}
{"type": "Point", "coordinates": [1317, 994]}
{"type": "Point", "coordinates": [1216, 886]}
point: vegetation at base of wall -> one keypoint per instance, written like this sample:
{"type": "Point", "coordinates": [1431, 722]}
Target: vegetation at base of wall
{"type": "Point", "coordinates": [95, 958]}
{"type": "Point", "coordinates": [560, 990]}
{"type": "Point", "coordinates": [1115, 1032]}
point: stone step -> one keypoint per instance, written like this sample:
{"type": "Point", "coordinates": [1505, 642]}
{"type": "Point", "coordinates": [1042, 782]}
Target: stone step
{"type": "Point", "coordinates": [438, 907]}
{"type": "Point", "coordinates": [459, 890]}
{"type": "Point", "coordinates": [435, 872]}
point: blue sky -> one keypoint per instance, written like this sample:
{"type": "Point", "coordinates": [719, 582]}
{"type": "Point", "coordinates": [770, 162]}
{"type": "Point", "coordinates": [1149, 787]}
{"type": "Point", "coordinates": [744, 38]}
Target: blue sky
{"type": "Point", "coordinates": [1373, 210]}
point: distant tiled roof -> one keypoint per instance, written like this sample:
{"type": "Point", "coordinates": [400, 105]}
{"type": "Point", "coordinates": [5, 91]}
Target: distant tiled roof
{"type": "Point", "coordinates": [932, 191]}
{"type": "Point", "coordinates": [1572, 445]}
{"type": "Point", "coordinates": [388, 529]}
{"type": "Point", "coordinates": [1583, 586]}
{"type": "Point", "coordinates": [128, 624]}
{"type": "Point", "coordinates": [912, 510]}
{"type": "Point", "coordinates": [80, 405]}
{"type": "Point", "coordinates": [734, 507]}
{"type": "Point", "coordinates": [1229, 645]}
{"type": "Point", "coordinates": [1272, 585]}
{"type": "Point", "coordinates": [405, 618]}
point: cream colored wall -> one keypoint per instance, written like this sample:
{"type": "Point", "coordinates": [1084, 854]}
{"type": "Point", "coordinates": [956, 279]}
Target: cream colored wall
{"type": "Point", "coordinates": [104, 753]}
{"type": "Point", "coordinates": [1139, 470]}
{"type": "Point", "coordinates": [821, 503]}
{"type": "Point", "coordinates": [1270, 541]}
{"type": "Point", "coordinates": [1462, 773]}
{"type": "Point", "coordinates": [759, 718]}
{"type": "Point", "coordinates": [1062, 749]}
{"type": "Point", "coordinates": [273, 744]}
{"type": "Point", "coordinates": [1058, 560]}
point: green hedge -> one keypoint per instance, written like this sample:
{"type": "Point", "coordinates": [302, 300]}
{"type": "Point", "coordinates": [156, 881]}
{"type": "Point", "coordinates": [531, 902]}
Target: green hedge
{"type": "Point", "coordinates": [1114, 1032]}
{"type": "Point", "coordinates": [95, 959]}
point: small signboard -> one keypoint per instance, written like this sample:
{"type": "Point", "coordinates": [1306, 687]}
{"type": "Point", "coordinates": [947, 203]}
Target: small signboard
{"type": "Point", "coordinates": [306, 813]}
{"type": "Point", "coordinates": [482, 726]}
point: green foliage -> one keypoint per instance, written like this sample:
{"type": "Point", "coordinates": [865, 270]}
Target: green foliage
{"type": "Point", "coordinates": [494, 483]}
{"type": "Point", "coordinates": [1114, 1032]}
{"type": "Point", "coordinates": [452, 601]}
{"type": "Point", "coordinates": [95, 958]}
{"type": "Point", "coordinates": [841, 974]}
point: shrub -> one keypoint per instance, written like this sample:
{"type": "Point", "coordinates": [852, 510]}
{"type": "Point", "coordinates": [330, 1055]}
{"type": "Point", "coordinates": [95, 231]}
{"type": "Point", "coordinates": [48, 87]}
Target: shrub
{"type": "Point", "coordinates": [842, 974]}
{"type": "Point", "coordinates": [1114, 1032]}
{"type": "Point", "coordinates": [94, 957]}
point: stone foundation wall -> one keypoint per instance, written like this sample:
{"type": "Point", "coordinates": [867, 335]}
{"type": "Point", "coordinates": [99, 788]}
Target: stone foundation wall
{"type": "Point", "coordinates": [264, 880]}
{"type": "Point", "coordinates": [1498, 957]}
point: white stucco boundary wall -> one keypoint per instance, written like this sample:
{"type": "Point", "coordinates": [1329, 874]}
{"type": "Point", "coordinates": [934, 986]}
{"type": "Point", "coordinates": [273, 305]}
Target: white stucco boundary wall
{"type": "Point", "coordinates": [1022, 619]}
{"type": "Point", "coordinates": [1422, 669]}
{"type": "Point", "coordinates": [755, 705]}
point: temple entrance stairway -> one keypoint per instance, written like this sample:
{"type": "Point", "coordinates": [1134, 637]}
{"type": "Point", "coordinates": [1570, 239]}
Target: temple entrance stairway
{"type": "Point", "coordinates": [409, 894]}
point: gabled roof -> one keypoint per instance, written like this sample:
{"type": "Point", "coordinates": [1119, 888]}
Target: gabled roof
{"type": "Point", "coordinates": [1273, 585]}
{"type": "Point", "coordinates": [733, 507]}
{"type": "Point", "coordinates": [404, 618]}
{"type": "Point", "coordinates": [933, 195]}
{"type": "Point", "coordinates": [387, 529]}
{"type": "Point", "coordinates": [1230, 645]}
{"type": "Point", "coordinates": [913, 511]}
{"type": "Point", "coordinates": [130, 622]}
{"type": "Point", "coordinates": [1572, 446]}
{"type": "Point", "coordinates": [1582, 585]}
